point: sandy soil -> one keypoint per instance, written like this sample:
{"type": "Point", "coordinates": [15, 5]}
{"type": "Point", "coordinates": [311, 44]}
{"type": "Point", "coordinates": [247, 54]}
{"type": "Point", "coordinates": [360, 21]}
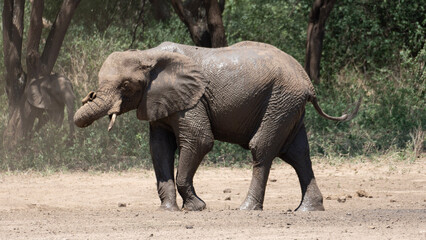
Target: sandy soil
{"type": "Point", "coordinates": [124, 205]}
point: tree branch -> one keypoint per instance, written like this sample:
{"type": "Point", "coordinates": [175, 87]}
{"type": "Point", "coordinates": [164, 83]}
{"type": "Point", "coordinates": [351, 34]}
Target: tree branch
{"type": "Point", "coordinates": [18, 29]}
{"type": "Point", "coordinates": [57, 35]}
{"type": "Point", "coordinates": [139, 22]}
{"type": "Point", "coordinates": [13, 27]}
{"type": "Point", "coordinates": [7, 32]}
{"type": "Point", "coordinates": [178, 6]}
{"type": "Point", "coordinates": [34, 35]}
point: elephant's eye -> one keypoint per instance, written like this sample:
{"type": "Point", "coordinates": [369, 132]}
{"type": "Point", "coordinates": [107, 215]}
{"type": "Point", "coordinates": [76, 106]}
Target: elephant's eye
{"type": "Point", "coordinates": [126, 88]}
{"type": "Point", "coordinates": [145, 67]}
{"type": "Point", "coordinates": [125, 85]}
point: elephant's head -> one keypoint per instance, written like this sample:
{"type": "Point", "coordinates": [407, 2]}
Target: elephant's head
{"type": "Point", "coordinates": [154, 82]}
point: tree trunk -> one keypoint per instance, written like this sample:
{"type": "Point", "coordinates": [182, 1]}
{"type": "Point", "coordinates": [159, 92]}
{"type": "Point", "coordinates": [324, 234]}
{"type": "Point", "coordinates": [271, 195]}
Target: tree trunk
{"type": "Point", "coordinates": [21, 113]}
{"type": "Point", "coordinates": [13, 27]}
{"type": "Point", "coordinates": [203, 18]}
{"type": "Point", "coordinates": [57, 35]}
{"type": "Point", "coordinates": [221, 6]}
{"type": "Point", "coordinates": [193, 15]}
{"type": "Point", "coordinates": [160, 9]}
{"type": "Point", "coordinates": [215, 24]}
{"type": "Point", "coordinates": [315, 34]}
{"type": "Point", "coordinates": [34, 35]}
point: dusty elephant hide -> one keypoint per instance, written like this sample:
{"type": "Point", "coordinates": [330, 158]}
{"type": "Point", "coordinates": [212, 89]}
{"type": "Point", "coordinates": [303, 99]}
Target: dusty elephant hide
{"type": "Point", "coordinates": [250, 93]}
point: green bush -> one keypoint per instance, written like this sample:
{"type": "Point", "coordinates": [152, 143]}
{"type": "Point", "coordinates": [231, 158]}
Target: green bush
{"type": "Point", "coordinates": [392, 109]}
{"type": "Point", "coordinates": [282, 25]}
{"type": "Point", "coordinates": [370, 34]}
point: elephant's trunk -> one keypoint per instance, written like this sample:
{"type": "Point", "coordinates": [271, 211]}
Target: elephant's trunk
{"type": "Point", "coordinates": [91, 111]}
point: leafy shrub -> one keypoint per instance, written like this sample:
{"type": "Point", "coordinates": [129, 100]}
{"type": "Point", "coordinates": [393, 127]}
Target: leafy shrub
{"type": "Point", "coordinates": [282, 25]}
{"type": "Point", "coordinates": [371, 34]}
{"type": "Point", "coordinates": [392, 109]}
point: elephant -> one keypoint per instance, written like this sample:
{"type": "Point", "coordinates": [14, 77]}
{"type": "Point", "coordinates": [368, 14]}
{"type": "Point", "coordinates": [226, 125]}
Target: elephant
{"type": "Point", "coordinates": [251, 94]}
{"type": "Point", "coordinates": [44, 99]}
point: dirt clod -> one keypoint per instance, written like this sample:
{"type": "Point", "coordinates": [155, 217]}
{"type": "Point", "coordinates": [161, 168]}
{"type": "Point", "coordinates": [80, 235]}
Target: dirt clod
{"type": "Point", "coordinates": [363, 193]}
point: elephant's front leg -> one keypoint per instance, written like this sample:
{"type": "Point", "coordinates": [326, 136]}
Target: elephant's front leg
{"type": "Point", "coordinates": [163, 147]}
{"type": "Point", "coordinates": [191, 155]}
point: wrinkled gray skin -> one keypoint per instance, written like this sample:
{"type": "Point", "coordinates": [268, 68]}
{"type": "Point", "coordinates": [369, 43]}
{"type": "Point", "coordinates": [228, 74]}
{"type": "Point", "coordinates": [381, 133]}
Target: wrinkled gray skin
{"type": "Point", "coordinates": [251, 94]}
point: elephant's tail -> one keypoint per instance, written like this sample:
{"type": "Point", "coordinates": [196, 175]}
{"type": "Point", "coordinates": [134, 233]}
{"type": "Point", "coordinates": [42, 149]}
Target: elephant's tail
{"type": "Point", "coordinates": [344, 117]}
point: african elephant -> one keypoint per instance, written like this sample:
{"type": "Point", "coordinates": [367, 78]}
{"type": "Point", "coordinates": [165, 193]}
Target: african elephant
{"type": "Point", "coordinates": [44, 99]}
{"type": "Point", "coordinates": [251, 94]}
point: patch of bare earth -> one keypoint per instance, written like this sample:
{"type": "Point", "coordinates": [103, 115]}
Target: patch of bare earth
{"type": "Point", "coordinates": [362, 201]}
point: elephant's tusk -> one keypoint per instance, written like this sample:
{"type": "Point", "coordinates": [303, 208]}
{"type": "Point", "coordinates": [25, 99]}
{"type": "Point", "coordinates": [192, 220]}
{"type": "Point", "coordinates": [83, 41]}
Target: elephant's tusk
{"type": "Point", "coordinates": [111, 123]}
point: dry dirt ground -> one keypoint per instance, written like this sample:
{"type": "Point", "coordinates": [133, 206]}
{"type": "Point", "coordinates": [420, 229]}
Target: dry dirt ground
{"type": "Point", "coordinates": [123, 205]}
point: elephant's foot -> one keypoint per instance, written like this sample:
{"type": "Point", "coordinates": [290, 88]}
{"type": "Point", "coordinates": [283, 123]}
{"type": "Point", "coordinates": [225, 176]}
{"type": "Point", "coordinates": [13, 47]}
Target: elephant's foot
{"type": "Point", "coordinates": [309, 206]}
{"type": "Point", "coordinates": [191, 202]}
{"type": "Point", "coordinates": [167, 194]}
{"type": "Point", "coordinates": [194, 203]}
{"type": "Point", "coordinates": [169, 206]}
{"type": "Point", "coordinates": [312, 200]}
{"type": "Point", "coordinates": [251, 204]}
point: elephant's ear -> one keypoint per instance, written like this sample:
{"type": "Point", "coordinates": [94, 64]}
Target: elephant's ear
{"type": "Point", "coordinates": [38, 93]}
{"type": "Point", "coordinates": [175, 83]}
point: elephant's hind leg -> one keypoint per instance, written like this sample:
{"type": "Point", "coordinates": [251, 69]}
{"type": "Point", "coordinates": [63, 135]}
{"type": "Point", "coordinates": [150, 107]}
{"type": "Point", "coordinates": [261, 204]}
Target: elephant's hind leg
{"type": "Point", "coordinates": [256, 193]}
{"type": "Point", "coordinates": [163, 147]}
{"type": "Point", "coordinates": [298, 157]}
{"type": "Point", "coordinates": [265, 146]}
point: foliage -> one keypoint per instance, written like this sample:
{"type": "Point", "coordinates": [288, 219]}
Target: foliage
{"type": "Point", "coordinates": [371, 48]}
{"type": "Point", "coordinates": [371, 34]}
{"type": "Point", "coordinates": [280, 24]}
{"type": "Point", "coordinates": [392, 109]}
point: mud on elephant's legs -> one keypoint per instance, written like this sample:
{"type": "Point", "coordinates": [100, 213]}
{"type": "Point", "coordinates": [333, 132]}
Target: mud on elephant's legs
{"type": "Point", "coordinates": [163, 147]}
{"type": "Point", "coordinates": [298, 157]}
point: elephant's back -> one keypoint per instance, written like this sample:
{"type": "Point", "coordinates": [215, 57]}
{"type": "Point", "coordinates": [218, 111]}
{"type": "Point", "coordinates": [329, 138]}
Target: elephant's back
{"type": "Point", "coordinates": [292, 73]}
{"type": "Point", "coordinates": [253, 69]}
